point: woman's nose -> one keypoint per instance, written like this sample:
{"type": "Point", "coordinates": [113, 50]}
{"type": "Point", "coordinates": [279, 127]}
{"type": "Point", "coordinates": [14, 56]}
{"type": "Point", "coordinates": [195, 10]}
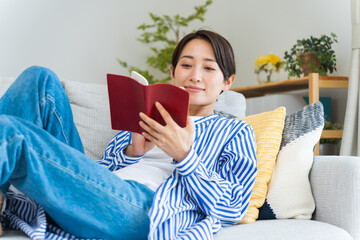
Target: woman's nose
{"type": "Point", "coordinates": [196, 75]}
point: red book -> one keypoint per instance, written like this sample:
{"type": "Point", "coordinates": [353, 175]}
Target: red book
{"type": "Point", "coordinates": [128, 98]}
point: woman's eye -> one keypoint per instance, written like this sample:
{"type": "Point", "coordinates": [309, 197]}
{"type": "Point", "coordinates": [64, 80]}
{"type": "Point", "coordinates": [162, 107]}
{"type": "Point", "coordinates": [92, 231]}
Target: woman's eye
{"type": "Point", "coordinates": [209, 68]}
{"type": "Point", "coordinates": [185, 65]}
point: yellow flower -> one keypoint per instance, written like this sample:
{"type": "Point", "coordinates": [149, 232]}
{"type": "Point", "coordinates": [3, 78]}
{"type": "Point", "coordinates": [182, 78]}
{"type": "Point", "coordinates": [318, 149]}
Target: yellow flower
{"type": "Point", "coordinates": [267, 63]}
{"type": "Point", "coordinates": [262, 60]}
{"type": "Point", "coordinates": [274, 59]}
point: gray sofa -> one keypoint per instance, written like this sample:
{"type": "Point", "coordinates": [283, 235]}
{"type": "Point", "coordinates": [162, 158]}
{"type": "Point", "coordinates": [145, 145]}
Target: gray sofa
{"type": "Point", "coordinates": [335, 180]}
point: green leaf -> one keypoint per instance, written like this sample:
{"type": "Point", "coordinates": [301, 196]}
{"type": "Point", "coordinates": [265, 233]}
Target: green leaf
{"type": "Point", "coordinates": [322, 47]}
{"type": "Point", "coordinates": [164, 32]}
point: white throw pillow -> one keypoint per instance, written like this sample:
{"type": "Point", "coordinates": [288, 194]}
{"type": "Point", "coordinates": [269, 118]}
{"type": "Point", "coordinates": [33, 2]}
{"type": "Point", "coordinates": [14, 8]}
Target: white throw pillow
{"type": "Point", "coordinates": [289, 192]}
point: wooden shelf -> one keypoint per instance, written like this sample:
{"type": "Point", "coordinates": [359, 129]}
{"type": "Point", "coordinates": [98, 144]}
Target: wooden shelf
{"type": "Point", "coordinates": [332, 134]}
{"type": "Point", "coordinates": [313, 83]}
{"type": "Point", "coordinates": [291, 85]}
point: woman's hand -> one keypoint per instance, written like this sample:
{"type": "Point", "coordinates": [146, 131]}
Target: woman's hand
{"type": "Point", "coordinates": [174, 140]}
{"type": "Point", "coordinates": [139, 146]}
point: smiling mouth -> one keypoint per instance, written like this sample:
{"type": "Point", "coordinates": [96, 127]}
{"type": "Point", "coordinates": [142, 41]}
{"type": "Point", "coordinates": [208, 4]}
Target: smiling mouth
{"type": "Point", "coordinates": [194, 89]}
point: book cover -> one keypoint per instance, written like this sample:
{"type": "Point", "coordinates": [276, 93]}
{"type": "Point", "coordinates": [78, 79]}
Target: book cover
{"type": "Point", "coordinates": [128, 97]}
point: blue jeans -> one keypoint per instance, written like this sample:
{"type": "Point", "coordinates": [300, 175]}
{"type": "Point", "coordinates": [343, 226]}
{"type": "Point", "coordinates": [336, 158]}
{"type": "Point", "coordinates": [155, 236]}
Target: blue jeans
{"type": "Point", "coordinates": [41, 154]}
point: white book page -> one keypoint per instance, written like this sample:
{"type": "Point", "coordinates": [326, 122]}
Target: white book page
{"type": "Point", "coordinates": [138, 77]}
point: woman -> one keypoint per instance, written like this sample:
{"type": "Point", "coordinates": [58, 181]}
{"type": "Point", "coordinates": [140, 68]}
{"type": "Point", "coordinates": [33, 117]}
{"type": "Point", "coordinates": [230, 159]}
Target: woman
{"type": "Point", "coordinates": [184, 183]}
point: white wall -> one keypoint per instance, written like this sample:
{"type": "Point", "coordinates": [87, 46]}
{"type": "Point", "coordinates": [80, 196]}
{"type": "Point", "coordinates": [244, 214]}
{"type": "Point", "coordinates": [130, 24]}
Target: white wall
{"type": "Point", "coordinates": [80, 40]}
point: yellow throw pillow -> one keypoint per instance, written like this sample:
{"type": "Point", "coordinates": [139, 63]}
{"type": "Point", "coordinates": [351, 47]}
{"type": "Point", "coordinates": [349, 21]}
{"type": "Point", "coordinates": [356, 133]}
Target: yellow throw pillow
{"type": "Point", "coordinates": [268, 127]}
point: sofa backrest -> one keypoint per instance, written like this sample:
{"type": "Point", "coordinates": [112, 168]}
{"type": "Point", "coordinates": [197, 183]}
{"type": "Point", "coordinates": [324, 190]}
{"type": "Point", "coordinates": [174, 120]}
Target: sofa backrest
{"type": "Point", "coordinates": [5, 84]}
{"type": "Point", "coordinates": [90, 106]}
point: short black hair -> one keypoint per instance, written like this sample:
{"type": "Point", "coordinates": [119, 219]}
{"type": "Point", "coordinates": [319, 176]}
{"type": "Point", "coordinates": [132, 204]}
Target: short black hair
{"type": "Point", "coordinates": [224, 54]}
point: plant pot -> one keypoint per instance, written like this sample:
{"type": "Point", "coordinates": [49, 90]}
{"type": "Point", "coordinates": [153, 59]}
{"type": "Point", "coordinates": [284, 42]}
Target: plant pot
{"type": "Point", "coordinates": [330, 148]}
{"type": "Point", "coordinates": [309, 62]}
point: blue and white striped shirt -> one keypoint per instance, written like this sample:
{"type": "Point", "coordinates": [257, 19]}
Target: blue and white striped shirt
{"type": "Point", "coordinates": [209, 188]}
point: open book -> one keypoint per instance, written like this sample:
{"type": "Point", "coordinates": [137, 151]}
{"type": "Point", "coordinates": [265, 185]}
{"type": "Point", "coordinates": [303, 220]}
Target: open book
{"type": "Point", "coordinates": [128, 96]}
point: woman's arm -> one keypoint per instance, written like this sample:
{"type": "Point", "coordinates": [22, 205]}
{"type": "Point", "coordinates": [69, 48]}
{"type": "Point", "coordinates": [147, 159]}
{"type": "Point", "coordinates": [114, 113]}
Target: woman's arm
{"type": "Point", "coordinates": [224, 195]}
{"type": "Point", "coordinates": [114, 157]}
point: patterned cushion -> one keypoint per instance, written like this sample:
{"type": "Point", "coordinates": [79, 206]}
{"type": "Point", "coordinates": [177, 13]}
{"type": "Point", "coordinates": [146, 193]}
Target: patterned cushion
{"type": "Point", "coordinates": [289, 194]}
{"type": "Point", "coordinates": [268, 127]}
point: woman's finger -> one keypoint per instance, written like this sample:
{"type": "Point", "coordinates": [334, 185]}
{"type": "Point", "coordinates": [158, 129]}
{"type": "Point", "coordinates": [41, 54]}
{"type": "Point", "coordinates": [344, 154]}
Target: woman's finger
{"type": "Point", "coordinates": [165, 114]}
{"type": "Point", "coordinates": [150, 122]}
{"type": "Point", "coordinates": [147, 128]}
{"type": "Point", "coordinates": [150, 137]}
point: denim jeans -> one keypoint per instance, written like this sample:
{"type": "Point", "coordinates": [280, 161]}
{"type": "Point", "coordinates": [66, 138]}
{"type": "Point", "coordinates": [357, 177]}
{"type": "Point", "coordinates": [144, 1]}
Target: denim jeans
{"type": "Point", "coordinates": [41, 154]}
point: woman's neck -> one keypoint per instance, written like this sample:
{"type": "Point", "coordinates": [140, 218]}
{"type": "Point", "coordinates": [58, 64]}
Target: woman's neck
{"type": "Point", "coordinates": [200, 111]}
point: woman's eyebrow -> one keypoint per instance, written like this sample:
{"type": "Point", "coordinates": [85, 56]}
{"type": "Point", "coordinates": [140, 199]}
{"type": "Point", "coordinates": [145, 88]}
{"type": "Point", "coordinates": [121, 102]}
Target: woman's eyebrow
{"type": "Point", "coordinates": [209, 60]}
{"type": "Point", "coordinates": [187, 56]}
{"type": "Point", "coordinates": [205, 59]}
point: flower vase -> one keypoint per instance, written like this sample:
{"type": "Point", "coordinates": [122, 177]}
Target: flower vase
{"type": "Point", "coordinates": [264, 77]}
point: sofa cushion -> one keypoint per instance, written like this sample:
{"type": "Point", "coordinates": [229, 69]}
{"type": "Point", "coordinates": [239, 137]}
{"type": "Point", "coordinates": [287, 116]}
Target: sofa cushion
{"type": "Point", "coordinates": [231, 102]}
{"type": "Point", "coordinates": [268, 127]}
{"type": "Point", "coordinates": [289, 194]}
{"type": "Point", "coordinates": [263, 229]}
{"type": "Point", "coordinates": [335, 182]}
{"type": "Point", "coordinates": [90, 106]}
{"type": "Point", "coordinates": [283, 229]}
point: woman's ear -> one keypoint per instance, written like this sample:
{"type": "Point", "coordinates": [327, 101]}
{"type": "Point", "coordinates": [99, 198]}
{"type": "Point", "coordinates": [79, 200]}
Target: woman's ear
{"type": "Point", "coordinates": [171, 74]}
{"type": "Point", "coordinates": [229, 81]}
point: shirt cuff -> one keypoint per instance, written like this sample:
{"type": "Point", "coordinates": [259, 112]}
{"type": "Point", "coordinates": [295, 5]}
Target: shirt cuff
{"type": "Point", "coordinates": [189, 164]}
{"type": "Point", "coordinates": [128, 159]}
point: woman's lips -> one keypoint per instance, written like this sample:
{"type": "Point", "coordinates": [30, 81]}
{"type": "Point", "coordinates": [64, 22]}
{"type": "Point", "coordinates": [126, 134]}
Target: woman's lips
{"type": "Point", "coordinates": [193, 89]}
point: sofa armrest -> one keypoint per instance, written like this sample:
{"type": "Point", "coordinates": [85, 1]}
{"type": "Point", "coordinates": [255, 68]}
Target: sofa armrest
{"type": "Point", "coordinates": [335, 182]}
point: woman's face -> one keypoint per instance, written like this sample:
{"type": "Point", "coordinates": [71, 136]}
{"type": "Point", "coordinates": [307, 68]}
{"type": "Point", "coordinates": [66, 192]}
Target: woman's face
{"type": "Point", "coordinates": [198, 72]}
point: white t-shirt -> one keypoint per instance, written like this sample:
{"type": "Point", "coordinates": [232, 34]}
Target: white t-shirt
{"type": "Point", "coordinates": [153, 169]}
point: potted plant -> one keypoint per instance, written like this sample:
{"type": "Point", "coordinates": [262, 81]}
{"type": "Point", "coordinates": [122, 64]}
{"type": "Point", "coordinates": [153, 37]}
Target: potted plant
{"type": "Point", "coordinates": [311, 55]}
{"type": "Point", "coordinates": [330, 146]}
{"type": "Point", "coordinates": [164, 33]}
